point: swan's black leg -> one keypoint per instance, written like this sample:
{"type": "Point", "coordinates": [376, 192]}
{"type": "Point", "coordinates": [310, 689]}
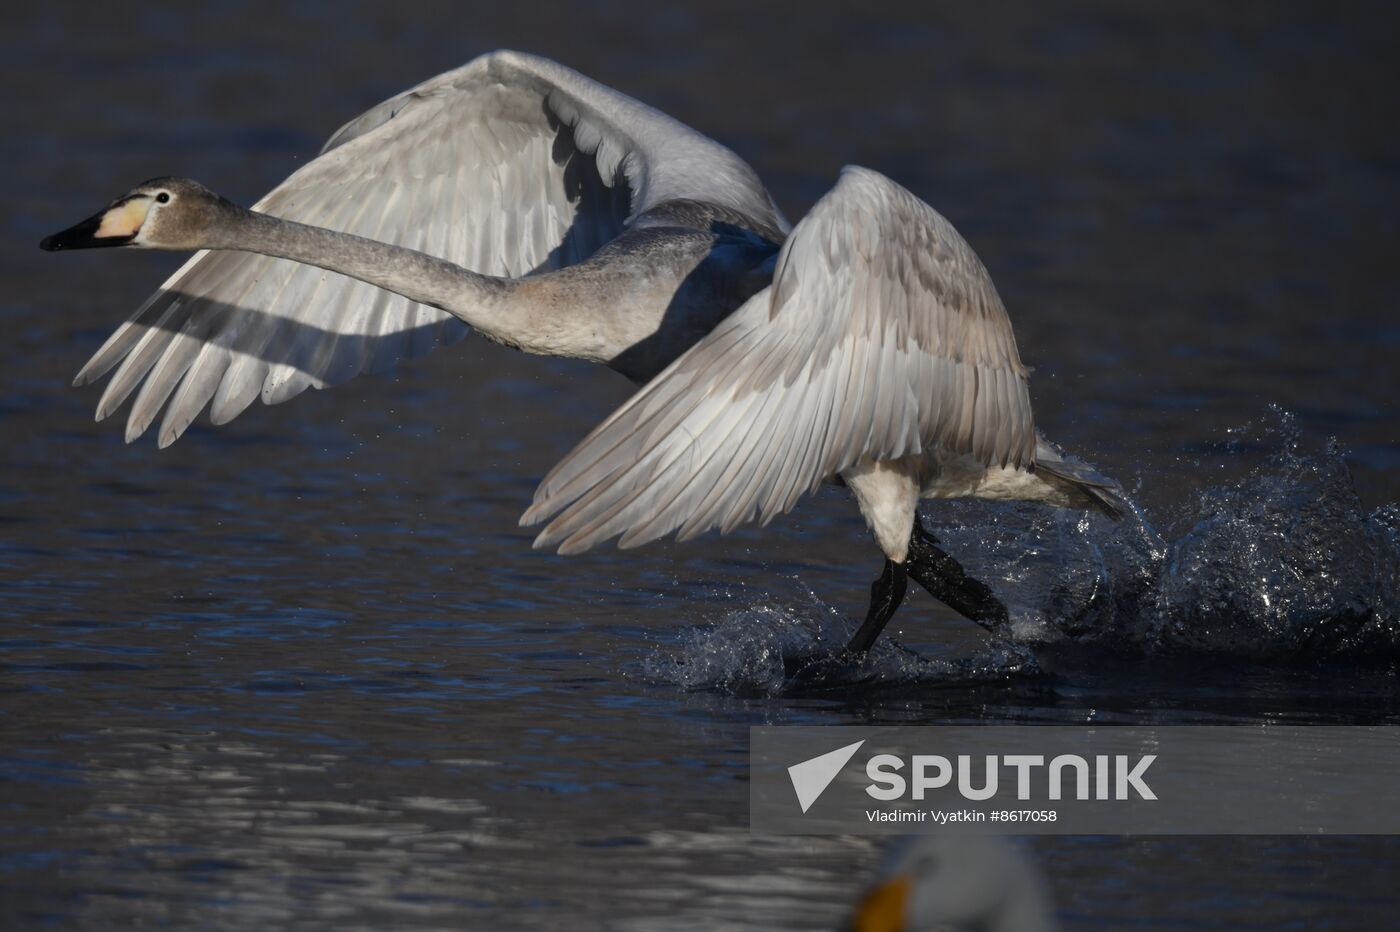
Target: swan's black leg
{"type": "Point", "coordinates": [946, 581]}
{"type": "Point", "coordinates": [885, 595]}
{"type": "Point", "coordinates": [937, 572]}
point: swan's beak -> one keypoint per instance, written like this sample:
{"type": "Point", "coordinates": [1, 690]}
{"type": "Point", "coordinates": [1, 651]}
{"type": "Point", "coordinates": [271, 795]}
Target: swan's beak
{"type": "Point", "coordinates": [115, 226]}
{"type": "Point", "coordinates": [884, 909]}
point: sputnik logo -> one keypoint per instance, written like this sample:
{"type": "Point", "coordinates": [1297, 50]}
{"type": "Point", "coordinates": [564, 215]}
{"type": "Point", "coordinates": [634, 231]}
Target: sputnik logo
{"type": "Point", "coordinates": [811, 777]}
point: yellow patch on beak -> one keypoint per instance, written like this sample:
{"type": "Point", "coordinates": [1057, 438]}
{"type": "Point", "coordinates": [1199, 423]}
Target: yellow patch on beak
{"type": "Point", "coordinates": [883, 909]}
{"type": "Point", "coordinates": [125, 219]}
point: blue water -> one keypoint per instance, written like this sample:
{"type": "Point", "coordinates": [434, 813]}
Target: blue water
{"type": "Point", "coordinates": [305, 670]}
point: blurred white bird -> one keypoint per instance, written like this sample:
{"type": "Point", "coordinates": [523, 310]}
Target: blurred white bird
{"type": "Point", "coordinates": [969, 883]}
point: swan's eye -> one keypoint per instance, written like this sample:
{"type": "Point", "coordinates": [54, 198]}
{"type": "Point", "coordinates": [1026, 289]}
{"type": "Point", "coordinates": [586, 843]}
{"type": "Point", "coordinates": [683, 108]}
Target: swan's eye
{"type": "Point", "coordinates": [162, 198]}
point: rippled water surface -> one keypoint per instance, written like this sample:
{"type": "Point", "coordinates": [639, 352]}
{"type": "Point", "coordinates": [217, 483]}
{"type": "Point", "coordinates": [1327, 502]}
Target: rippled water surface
{"type": "Point", "coordinates": [304, 669]}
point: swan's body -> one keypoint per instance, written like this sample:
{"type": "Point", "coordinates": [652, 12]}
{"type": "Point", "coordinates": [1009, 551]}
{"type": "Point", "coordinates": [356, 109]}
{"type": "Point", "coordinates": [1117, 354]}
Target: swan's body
{"type": "Point", "coordinates": [560, 217]}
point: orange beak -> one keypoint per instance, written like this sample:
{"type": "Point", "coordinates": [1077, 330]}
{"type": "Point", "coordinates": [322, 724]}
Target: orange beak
{"type": "Point", "coordinates": [883, 909]}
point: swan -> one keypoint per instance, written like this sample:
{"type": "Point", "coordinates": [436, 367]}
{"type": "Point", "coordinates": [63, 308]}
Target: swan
{"type": "Point", "coordinates": [952, 882]}
{"type": "Point", "coordinates": [515, 197]}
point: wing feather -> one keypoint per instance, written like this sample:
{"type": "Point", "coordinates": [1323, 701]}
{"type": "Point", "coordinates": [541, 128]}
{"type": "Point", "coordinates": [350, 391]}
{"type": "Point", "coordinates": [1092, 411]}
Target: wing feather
{"type": "Point", "coordinates": [881, 336]}
{"type": "Point", "coordinates": [508, 165]}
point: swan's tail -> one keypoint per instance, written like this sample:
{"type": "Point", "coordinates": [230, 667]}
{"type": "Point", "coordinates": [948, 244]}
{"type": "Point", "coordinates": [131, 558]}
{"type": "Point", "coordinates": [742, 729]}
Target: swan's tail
{"type": "Point", "coordinates": [1085, 486]}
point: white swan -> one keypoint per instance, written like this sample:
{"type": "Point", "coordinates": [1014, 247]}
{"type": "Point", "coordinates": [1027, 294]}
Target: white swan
{"type": "Point", "coordinates": [971, 883]}
{"type": "Point", "coordinates": [547, 212]}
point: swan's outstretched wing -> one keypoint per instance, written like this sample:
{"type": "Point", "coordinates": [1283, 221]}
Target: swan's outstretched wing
{"type": "Point", "coordinates": [509, 164]}
{"type": "Point", "coordinates": [881, 336]}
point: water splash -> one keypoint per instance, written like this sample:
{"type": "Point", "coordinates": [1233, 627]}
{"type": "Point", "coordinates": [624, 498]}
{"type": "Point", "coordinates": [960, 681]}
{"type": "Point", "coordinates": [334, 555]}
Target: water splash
{"type": "Point", "coordinates": [1284, 563]}
{"type": "Point", "coordinates": [1283, 566]}
{"type": "Point", "coordinates": [792, 649]}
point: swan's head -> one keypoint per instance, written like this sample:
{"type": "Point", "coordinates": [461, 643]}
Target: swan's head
{"type": "Point", "coordinates": [956, 882]}
{"type": "Point", "coordinates": [163, 213]}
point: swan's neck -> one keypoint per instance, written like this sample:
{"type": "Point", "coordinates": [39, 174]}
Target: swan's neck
{"type": "Point", "coordinates": [480, 300]}
{"type": "Point", "coordinates": [634, 305]}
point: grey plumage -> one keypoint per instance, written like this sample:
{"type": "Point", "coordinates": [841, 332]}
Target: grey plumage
{"type": "Point", "coordinates": [1086, 486]}
{"type": "Point", "coordinates": [509, 165]}
{"type": "Point", "coordinates": [520, 199]}
{"type": "Point", "coordinates": [880, 336]}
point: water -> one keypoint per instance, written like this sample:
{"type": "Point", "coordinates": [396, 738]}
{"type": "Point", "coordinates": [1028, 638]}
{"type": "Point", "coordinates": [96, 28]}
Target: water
{"type": "Point", "coordinates": [305, 670]}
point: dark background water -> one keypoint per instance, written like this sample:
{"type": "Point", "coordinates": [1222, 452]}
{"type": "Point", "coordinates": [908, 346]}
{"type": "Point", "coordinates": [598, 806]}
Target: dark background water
{"type": "Point", "coordinates": [306, 670]}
